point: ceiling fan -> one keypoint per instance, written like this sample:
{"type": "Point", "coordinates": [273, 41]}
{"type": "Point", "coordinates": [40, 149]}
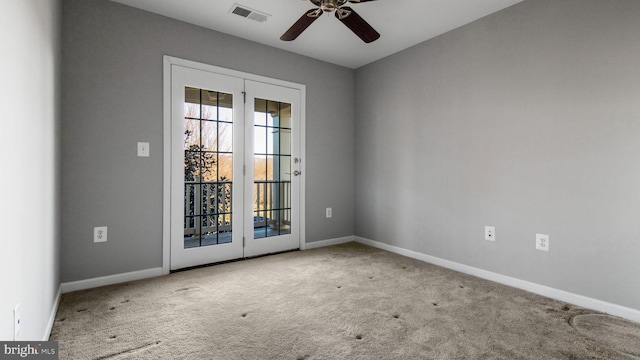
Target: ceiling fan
{"type": "Point", "coordinates": [344, 13]}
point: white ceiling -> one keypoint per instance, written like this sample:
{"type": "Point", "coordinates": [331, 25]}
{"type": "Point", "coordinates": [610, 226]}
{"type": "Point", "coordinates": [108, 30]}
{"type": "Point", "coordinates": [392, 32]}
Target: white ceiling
{"type": "Point", "coordinates": [401, 23]}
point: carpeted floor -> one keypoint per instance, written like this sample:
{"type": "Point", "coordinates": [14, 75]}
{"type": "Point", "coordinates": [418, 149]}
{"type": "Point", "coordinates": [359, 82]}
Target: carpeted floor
{"type": "Point", "coordinates": [342, 302]}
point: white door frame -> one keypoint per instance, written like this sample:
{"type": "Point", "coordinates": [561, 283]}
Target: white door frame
{"type": "Point", "coordinates": [168, 61]}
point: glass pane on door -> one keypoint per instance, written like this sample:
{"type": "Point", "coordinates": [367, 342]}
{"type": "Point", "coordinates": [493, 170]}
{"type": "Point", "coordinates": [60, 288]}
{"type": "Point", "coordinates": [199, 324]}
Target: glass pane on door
{"type": "Point", "coordinates": [272, 168]}
{"type": "Point", "coordinates": [208, 167]}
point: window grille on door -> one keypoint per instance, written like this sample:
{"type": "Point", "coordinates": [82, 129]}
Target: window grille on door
{"type": "Point", "coordinates": [208, 167]}
{"type": "Point", "coordinates": [272, 169]}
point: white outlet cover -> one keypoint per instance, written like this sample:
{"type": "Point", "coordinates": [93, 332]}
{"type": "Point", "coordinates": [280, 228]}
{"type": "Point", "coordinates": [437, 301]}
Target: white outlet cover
{"type": "Point", "coordinates": [100, 234]}
{"type": "Point", "coordinates": [490, 233]}
{"type": "Point", "coordinates": [329, 212]}
{"type": "Point", "coordinates": [542, 242]}
{"type": "Point", "coordinates": [17, 325]}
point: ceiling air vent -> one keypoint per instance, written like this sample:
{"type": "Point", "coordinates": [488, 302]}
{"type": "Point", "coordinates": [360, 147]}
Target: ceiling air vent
{"type": "Point", "coordinates": [249, 13]}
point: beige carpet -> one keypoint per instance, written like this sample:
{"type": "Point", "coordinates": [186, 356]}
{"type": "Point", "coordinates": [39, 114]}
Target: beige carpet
{"type": "Point", "coordinates": [341, 302]}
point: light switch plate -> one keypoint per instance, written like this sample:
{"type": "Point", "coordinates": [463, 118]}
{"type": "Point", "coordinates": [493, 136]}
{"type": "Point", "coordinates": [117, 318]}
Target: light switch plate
{"type": "Point", "coordinates": [17, 322]}
{"type": "Point", "coordinates": [143, 149]}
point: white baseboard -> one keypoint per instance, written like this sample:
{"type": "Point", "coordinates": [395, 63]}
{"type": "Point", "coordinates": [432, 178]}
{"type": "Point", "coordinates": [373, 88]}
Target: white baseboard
{"type": "Point", "coordinates": [52, 316]}
{"type": "Point", "coordinates": [110, 280]}
{"type": "Point", "coordinates": [329, 242]}
{"type": "Point", "coordinates": [582, 301]}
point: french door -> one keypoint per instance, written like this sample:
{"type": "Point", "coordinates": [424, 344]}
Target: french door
{"type": "Point", "coordinates": [235, 189]}
{"type": "Point", "coordinates": [271, 182]}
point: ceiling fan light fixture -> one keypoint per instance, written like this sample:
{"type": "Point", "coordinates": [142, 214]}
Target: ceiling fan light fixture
{"type": "Point", "coordinates": [331, 5]}
{"type": "Point", "coordinates": [328, 7]}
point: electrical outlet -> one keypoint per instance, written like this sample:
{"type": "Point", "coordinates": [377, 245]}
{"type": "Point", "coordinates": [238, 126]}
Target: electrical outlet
{"type": "Point", "coordinates": [542, 242]}
{"type": "Point", "coordinates": [17, 322]}
{"type": "Point", "coordinates": [329, 213]}
{"type": "Point", "coordinates": [490, 233]}
{"type": "Point", "coordinates": [99, 234]}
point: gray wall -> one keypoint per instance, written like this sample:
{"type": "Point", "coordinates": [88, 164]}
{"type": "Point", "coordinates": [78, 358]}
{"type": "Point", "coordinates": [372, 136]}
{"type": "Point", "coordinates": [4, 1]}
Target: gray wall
{"type": "Point", "coordinates": [112, 98]}
{"type": "Point", "coordinates": [527, 120]}
{"type": "Point", "coordinates": [29, 157]}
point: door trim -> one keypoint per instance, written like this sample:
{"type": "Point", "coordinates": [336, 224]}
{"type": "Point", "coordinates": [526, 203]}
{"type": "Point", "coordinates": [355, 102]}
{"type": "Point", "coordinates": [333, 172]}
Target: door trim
{"type": "Point", "coordinates": [168, 61]}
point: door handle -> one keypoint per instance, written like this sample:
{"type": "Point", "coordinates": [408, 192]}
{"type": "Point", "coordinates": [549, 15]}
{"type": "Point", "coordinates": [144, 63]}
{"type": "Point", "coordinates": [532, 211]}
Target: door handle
{"type": "Point", "coordinates": [296, 173]}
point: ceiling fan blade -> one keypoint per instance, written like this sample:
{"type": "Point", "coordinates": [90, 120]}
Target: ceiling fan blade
{"type": "Point", "coordinates": [357, 24]}
{"type": "Point", "coordinates": [359, 1]}
{"type": "Point", "coordinates": [301, 25]}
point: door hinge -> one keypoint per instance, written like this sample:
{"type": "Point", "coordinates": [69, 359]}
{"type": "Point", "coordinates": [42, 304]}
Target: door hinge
{"type": "Point", "coordinates": [243, 242]}
{"type": "Point", "coordinates": [244, 96]}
